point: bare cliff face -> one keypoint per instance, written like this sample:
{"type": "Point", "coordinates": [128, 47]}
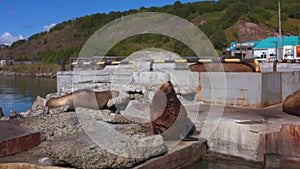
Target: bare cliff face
{"type": "Point", "coordinates": [251, 31]}
{"type": "Point", "coordinates": [245, 31]}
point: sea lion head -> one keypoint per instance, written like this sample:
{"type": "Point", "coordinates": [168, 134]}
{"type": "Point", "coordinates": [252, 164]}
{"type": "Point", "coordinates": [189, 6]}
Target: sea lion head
{"type": "Point", "coordinates": [167, 88]}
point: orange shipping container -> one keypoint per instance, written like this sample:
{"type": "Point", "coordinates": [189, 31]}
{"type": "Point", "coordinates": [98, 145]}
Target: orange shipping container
{"type": "Point", "coordinates": [297, 51]}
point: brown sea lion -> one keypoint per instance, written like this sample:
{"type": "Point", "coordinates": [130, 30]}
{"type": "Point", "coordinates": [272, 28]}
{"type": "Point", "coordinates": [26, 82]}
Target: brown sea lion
{"type": "Point", "coordinates": [168, 116]}
{"type": "Point", "coordinates": [223, 67]}
{"type": "Point", "coordinates": [83, 98]}
{"type": "Point", "coordinates": [291, 104]}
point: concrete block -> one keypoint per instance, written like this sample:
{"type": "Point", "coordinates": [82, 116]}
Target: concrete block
{"type": "Point", "coordinates": [15, 139]}
{"type": "Point", "coordinates": [271, 89]}
{"type": "Point", "coordinates": [184, 154]}
{"type": "Point", "coordinates": [163, 67]}
{"type": "Point", "coordinates": [120, 77]}
{"type": "Point", "coordinates": [238, 89]}
{"type": "Point", "coordinates": [184, 79]}
{"type": "Point", "coordinates": [235, 139]}
{"type": "Point", "coordinates": [244, 80]}
{"type": "Point", "coordinates": [64, 79]}
{"type": "Point", "coordinates": [213, 80]}
{"type": "Point", "coordinates": [151, 78]}
{"type": "Point", "coordinates": [142, 66]}
{"type": "Point", "coordinates": [290, 83]}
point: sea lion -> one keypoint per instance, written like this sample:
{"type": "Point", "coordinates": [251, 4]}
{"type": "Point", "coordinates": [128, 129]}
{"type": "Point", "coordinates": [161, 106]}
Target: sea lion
{"type": "Point", "coordinates": [83, 98]}
{"type": "Point", "coordinates": [168, 116]}
{"type": "Point", "coordinates": [223, 67]}
{"type": "Point", "coordinates": [291, 104]}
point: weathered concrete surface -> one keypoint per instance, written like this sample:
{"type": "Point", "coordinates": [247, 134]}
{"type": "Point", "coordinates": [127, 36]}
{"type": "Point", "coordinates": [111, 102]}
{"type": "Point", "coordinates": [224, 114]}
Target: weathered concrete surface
{"type": "Point", "coordinates": [281, 67]}
{"type": "Point", "coordinates": [184, 154]}
{"type": "Point", "coordinates": [15, 139]}
{"type": "Point", "coordinates": [244, 133]}
{"type": "Point", "coordinates": [26, 166]}
{"type": "Point", "coordinates": [251, 133]}
{"type": "Point", "coordinates": [290, 83]}
{"type": "Point", "coordinates": [66, 144]}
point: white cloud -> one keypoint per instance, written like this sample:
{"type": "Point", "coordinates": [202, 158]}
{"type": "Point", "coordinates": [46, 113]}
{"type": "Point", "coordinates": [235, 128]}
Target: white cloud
{"type": "Point", "coordinates": [7, 38]}
{"type": "Point", "coordinates": [48, 27]}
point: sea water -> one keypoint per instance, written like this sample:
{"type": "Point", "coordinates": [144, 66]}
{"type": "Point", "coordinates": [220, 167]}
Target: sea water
{"type": "Point", "coordinates": [18, 93]}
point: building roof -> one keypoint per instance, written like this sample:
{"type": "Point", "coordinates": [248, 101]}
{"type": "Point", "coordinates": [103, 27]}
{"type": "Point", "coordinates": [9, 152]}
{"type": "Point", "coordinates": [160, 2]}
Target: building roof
{"type": "Point", "coordinates": [271, 42]}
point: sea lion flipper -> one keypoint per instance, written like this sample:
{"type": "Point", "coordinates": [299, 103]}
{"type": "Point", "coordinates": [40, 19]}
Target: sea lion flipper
{"type": "Point", "coordinates": [158, 104]}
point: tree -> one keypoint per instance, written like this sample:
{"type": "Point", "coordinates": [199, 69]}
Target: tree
{"type": "Point", "coordinates": [219, 40]}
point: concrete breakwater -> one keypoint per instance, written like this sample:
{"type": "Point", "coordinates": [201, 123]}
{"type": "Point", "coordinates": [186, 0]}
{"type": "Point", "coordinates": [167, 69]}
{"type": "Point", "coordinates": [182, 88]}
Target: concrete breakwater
{"type": "Point", "coordinates": [252, 124]}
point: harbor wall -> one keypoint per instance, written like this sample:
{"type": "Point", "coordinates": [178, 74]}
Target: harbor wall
{"type": "Point", "coordinates": [246, 89]}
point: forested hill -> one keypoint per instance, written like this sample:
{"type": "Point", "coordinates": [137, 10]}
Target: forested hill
{"type": "Point", "coordinates": [222, 21]}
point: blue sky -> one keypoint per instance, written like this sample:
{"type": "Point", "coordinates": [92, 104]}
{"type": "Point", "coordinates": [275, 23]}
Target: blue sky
{"type": "Point", "coordinates": [22, 18]}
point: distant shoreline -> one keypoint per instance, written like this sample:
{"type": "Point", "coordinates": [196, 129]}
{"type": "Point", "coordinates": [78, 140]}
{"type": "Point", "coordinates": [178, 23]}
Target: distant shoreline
{"type": "Point", "coordinates": [44, 75]}
{"type": "Point", "coordinates": [32, 70]}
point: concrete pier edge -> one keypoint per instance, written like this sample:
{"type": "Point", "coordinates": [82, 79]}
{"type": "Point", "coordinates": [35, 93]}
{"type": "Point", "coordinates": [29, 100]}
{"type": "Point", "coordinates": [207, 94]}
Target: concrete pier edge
{"type": "Point", "coordinates": [184, 154]}
{"type": "Point", "coordinates": [15, 139]}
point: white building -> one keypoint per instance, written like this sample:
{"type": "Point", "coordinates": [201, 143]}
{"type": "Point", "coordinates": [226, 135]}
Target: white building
{"type": "Point", "coordinates": [2, 62]}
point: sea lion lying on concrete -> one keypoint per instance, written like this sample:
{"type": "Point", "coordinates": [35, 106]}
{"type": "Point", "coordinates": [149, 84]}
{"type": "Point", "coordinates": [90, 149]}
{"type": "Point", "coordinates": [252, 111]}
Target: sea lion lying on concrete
{"type": "Point", "coordinates": [83, 98]}
{"type": "Point", "coordinates": [168, 116]}
{"type": "Point", "coordinates": [291, 104]}
{"type": "Point", "coordinates": [223, 67]}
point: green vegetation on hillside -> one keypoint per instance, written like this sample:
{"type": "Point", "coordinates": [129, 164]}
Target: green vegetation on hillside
{"type": "Point", "coordinates": [217, 19]}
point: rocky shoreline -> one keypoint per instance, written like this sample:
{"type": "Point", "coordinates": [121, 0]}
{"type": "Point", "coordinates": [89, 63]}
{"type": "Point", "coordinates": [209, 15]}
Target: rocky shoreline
{"type": "Point", "coordinates": [66, 143]}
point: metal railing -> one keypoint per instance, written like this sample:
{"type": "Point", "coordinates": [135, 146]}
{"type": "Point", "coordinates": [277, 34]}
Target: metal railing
{"type": "Point", "coordinates": [213, 60]}
{"type": "Point", "coordinates": [99, 62]}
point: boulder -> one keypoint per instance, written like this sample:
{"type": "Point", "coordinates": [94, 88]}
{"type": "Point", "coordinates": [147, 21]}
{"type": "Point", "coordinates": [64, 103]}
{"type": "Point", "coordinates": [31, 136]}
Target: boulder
{"type": "Point", "coordinates": [291, 104]}
{"type": "Point", "coordinates": [120, 102]}
{"type": "Point", "coordinates": [38, 102]}
{"type": "Point", "coordinates": [104, 115]}
{"type": "Point", "coordinates": [13, 114]}
{"type": "Point", "coordinates": [53, 125]}
{"type": "Point", "coordinates": [81, 152]}
{"type": "Point", "coordinates": [137, 111]}
{"type": "Point", "coordinates": [46, 161]}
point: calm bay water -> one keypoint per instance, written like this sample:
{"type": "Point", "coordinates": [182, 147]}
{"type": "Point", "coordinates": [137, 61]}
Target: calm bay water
{"type": "Point", "coordinates": [18, 93]}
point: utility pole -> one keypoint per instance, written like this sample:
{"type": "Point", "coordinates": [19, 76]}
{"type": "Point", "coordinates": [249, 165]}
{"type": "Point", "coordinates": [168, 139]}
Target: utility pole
{"type": "Point", "coordinates": [276, 49]}
{"type": "Point", "coordinates": [276, 60]}
{"type": "Point", "coordinates": [280, 34]}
